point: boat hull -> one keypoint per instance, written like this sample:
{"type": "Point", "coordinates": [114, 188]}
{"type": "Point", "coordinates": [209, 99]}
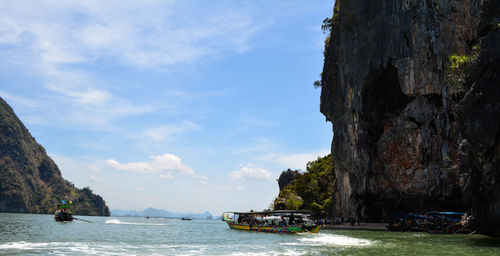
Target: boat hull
{"type": "Point", "coordinates": [63, 216]}
{"type": "Point", "coordinates": [271, 229]}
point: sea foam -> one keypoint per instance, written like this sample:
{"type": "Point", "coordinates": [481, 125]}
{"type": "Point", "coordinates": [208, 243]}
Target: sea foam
{"type": "Point", "coordinates": [331, 240]}
{"type": "Point", "coordinates": [119, 222]}
{"type": "Point", "coordinates": [59, 248]}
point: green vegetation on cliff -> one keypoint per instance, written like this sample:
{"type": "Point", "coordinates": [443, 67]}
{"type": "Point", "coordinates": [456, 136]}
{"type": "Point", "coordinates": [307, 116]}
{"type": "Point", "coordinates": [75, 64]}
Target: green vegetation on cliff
{"type": "Point", "coordinates": [313, 190]}
{"type": "Point", "coordinates": [459, 69]}
{"type": "Point", "coordinates": [30, 181]}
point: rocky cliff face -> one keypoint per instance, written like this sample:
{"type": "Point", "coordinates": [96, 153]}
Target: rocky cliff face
{"type": "Point", "coordinates": [405, 136]}
{"type": "Point", "coordinates": [287, 177]}
{"type": "Point", "coordinates": [30, 182]}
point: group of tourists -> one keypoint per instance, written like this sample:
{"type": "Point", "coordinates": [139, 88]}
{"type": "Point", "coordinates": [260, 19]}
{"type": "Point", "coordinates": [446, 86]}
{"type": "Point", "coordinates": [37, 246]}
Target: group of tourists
{"type": "Point", "coordinates": [336, 221]}
{"type": "Point", "coordinates": [279, 221]}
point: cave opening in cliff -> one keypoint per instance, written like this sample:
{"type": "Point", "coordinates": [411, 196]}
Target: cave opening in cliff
{"type": "Point", "coordinates": [382, 101]}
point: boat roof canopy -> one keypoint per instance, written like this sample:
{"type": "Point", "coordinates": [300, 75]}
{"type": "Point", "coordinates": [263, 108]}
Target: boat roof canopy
{"type": "Point", "coordinates": [273, 212]}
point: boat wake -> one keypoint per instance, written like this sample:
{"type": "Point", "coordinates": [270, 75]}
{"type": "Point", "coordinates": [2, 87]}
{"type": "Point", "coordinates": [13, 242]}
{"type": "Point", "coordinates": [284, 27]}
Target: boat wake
{"type": "Point", "coordinates": [119, 222]}
{"type": "Point", "coordinates": [332, 240]}
{"type": "Point", "coordinates": [23, 246]}
{"type": "Point", "coordinates": [78, 248]}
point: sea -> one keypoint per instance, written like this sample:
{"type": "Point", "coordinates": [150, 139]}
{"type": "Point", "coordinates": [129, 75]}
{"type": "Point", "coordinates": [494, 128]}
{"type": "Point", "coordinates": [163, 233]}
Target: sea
{"type": "Point", "coordinates": [33, 234]}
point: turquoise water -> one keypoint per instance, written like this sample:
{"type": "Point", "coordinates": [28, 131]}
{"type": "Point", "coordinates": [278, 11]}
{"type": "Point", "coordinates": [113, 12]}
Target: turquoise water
{"type": "Point", "coordinates": [30, 234]}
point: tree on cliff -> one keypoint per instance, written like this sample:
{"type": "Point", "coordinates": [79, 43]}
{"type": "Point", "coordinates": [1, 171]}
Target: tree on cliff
{"type": "Point", "coordinates": [313, 190]}
{"type": "Point", "coordinates": [287, 177]}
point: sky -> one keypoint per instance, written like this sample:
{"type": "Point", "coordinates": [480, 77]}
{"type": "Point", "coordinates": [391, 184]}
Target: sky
{"type": "Point", "coordinates": [186, 106]}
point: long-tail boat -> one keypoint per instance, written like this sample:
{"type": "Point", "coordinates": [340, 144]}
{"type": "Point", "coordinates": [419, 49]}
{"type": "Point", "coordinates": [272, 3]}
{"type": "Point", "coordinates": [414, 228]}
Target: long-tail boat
{"type": "Point", "coordinates": [63, 212]}
{"type": "Point", "coordinates": [445, 223]}
{"type": "Point", "coordinates": [434, 222]}
{"type": "Point", "coordinates": [280, 221]}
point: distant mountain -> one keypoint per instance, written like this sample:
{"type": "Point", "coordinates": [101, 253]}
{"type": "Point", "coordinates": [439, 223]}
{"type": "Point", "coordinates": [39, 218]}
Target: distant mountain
{"type": "Point", "coordinates": [152, 212]}
{"type": "Point", "coordinates": [30, 181]}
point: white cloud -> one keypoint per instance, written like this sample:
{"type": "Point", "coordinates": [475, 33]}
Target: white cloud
{"type": "Point", "coordinates": [85, 95]}
{"type": "Point", "coordinates": [230, 188]}
{"type": "Point", "coordinates": [165, 132]}
{"type": "Point", "coordinates": [202, 179]}
{"type": "Point", "coordinates": [149, 33]}
{"type": "Point", "coordinates": [167, 176]}
{"type": "Point", "coordinates": [157, 164]}
{"type": "Point", "coordinates": [99, 36]}
{"type": "Point", "coordinates": [21, 101]}
{"type": "Point", "coordinates": [60, 42]}
{"type": "Point", "coordinates": [86, 102]}
{"type": "Point", "coordinates": [95, 178]}
{"type": "Point", "coordinates": [250, 172]}
{"type": "Point", "coordinates": [94, 168]}
{"type": "Point", "coordinates": [79, 169]}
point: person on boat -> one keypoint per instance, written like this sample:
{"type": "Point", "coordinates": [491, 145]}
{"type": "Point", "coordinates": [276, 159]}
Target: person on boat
{"type": "Point", "coordinates": [282, 222]}
{"type": "Point", "coordinates": [268, 223]}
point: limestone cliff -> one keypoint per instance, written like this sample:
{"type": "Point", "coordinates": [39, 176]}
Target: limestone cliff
{"type": "Point", "coordinates": [30, 182]}
{"type": "Point", "coordinates": [287, 177]}
{"type": "Point", "coordinates": [406, 137]}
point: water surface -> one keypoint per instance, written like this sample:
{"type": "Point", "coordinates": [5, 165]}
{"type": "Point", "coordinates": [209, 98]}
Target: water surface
{"type": "Point", "coordinates": [30, 234]}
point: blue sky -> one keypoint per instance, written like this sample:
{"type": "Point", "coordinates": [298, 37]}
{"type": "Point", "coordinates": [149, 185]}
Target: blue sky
{"type": "Point", "coordinates": [179, 105]}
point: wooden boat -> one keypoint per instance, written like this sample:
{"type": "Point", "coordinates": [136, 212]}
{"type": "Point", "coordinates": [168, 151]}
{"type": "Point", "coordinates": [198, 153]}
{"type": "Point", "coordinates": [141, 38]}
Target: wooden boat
{"type": "Point", "coordinates": [187, 218]}
{"type": "Point", "coordinates": [432, 222]}
{"type": "Point", "coordinates": [445, 223]}
{"type": "Point", "coordinates": [63, 212]}
{"type": "Point", "coordinates": [63, 215]}
{"type": "Point", "coordinates": [282, 221]}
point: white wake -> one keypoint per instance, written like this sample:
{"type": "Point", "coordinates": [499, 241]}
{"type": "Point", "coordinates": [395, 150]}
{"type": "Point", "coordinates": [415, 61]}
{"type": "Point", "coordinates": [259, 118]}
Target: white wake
{"type": "Point", "coordinates": [119, 222]}
{"type": "Point", "coordinates": [332, 240]}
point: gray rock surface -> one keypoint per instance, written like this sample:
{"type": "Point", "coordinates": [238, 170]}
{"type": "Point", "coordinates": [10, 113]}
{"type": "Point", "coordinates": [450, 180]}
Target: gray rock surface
{"type": "Point", "coordinates": [405, 140]}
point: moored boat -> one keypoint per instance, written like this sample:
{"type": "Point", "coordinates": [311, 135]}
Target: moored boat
{"type": "Point", "coordinates": [282, 221]}
{"type": "Point", "coordinates": [445, 223]}
{"type": "Point", "coordinates": [433, 222]}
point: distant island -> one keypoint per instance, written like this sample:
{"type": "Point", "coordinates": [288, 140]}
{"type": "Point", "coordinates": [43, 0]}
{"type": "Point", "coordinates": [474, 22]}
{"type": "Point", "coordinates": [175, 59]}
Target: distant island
{"type": "Point", "coordinates": [30, 181]}
{"type": "Point", "coordinates": [151, 212]}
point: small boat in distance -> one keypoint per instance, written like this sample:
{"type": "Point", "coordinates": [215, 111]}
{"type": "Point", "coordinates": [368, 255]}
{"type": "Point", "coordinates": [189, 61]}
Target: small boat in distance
{"type": "Point", "coordinates": [279, 221]}
{"type": "Point", "coordinates": [185, 218]}
{"type": "Point", "coordinates": [63, 212]}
